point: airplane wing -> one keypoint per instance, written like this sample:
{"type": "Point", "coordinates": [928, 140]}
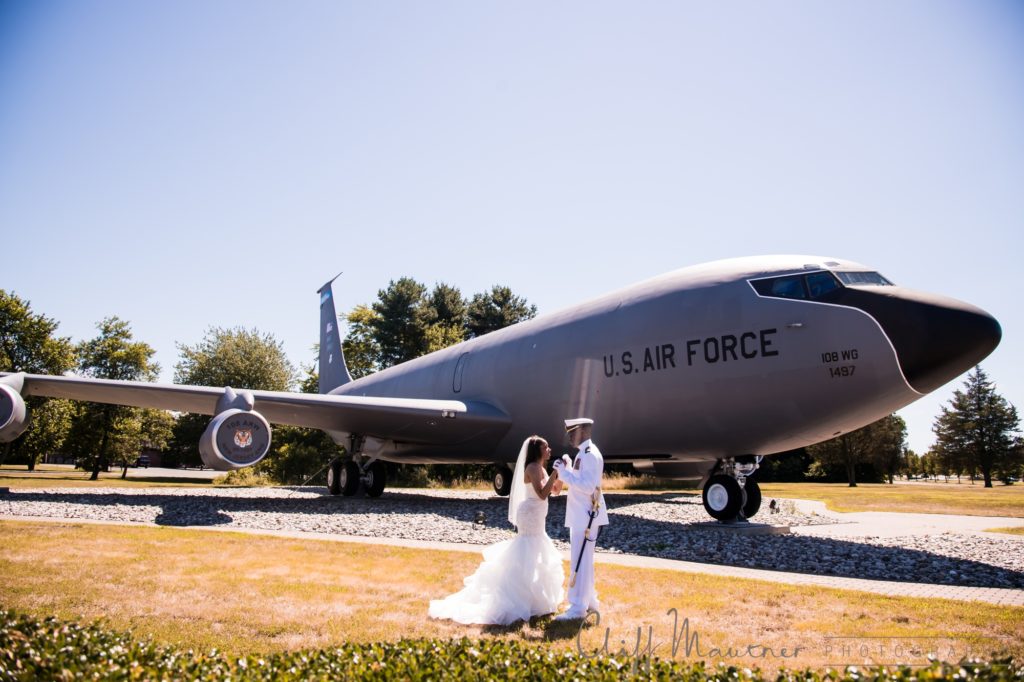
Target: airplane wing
{"type": "Point", "coordinates": [400, 419]}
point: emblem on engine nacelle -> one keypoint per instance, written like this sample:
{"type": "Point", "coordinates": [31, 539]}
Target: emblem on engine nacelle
{"type": "Point", "coordinates": [243, 438]}
{"type": "Point", "coordinates": [234, 439]}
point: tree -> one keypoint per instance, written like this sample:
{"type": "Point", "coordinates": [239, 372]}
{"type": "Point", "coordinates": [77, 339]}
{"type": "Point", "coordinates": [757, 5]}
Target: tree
{"type": "Point", "coordinates": [51, 421]}
{"type": "Point", "coordinates": [979, 427]}
{"type": "Point", "coordinates": [446, 310]}
{"type": "Point", "coordinates": [362, 352]}
{"type": "Point", "coordinates": [448, 306]}
{"type": "Point", "coordinates": [111, 355]}
{"type": "Point", "coordinates": [239, 358]}
{"type": "Point", "coordinates": [27, 341]}
{"type": "Point", "coordinates": [860, 452]}
{"type": "Point", "coordinates": [28, 344]}
{"type": "Point", "coordinates": [912, 464]}
{"type": "Point", "coordinates": [402, 317]}
{"type": "Point", "coordinates": [788, 466]}
{"type": "Point", "coordinates": [889, 449]}
{"type": "Point", "coordinates": [1013, 466]}
{"type": "Point", "coordinates": [137, 429]}
{"type": "Point", "coordinates": [405, 322]}
{"type": "Point", "coordinates": [497, 309]}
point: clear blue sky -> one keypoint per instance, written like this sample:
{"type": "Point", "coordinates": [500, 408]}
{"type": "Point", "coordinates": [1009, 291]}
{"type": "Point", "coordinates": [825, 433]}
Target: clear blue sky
{"type": "Point", "coordinates": [190, 164]}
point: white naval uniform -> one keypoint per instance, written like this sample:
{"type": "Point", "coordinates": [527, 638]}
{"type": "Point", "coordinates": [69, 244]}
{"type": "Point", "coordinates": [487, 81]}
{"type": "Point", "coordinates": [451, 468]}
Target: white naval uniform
{"type": "Point", "coordinates": [583, 477]}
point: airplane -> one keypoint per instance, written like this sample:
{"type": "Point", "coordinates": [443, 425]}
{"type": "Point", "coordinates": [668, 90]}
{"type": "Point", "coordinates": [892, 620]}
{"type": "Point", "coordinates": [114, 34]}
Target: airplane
{"type": "Point", "coordinates": [696, 374]}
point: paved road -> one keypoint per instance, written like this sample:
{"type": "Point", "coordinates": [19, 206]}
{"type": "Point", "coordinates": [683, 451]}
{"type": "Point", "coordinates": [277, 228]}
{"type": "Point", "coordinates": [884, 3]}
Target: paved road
{"type": "Point", "coordinates": [161, 472]}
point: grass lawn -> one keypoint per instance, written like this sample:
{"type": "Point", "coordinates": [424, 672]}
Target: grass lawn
{"type": "Point", "coordinates": [1015, 530]}
{"type": "Point", "coordinates": [66, 476]}
{"type": "Point", "coordinates": [928, 498]}
{"type": "Point", "coordinates": [257, 594]}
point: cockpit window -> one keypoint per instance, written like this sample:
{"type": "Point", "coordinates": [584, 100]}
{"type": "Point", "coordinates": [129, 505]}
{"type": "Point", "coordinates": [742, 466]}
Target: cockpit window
{"type": "Point", "coordinates": [863, 278]}
{"type": "Point", "coordinates": [813, 286]}
{"type": "Point", "coordinates": [789, 287]}
{"type": "Point", "coordinates": [820, 283]}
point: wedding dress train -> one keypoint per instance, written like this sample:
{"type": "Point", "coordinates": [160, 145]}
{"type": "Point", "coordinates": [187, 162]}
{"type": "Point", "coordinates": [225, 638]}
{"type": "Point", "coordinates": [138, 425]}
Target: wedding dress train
{"type": "Point", "coordinates": [518, 579]}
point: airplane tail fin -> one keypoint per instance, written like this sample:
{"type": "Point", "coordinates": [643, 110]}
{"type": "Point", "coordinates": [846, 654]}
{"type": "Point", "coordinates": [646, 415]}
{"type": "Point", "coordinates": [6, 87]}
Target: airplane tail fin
{"type": "Point", "coordinates": [333, 370]}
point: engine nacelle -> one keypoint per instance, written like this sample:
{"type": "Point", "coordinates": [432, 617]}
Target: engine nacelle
{"type": "Point", "coordinates": [235, 439]}
{"type": "Point", "coordinates": [13, 414]}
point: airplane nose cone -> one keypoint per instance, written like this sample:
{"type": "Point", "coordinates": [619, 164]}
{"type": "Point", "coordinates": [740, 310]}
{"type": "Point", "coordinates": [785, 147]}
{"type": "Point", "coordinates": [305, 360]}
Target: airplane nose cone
{"type": "Point", "coordinates": [936, 338]}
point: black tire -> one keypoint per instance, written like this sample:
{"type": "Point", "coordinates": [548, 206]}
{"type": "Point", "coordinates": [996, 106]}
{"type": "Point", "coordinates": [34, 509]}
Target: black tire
{"type": "Point", "coordinates": [502, 480]}
{"type": "Point", "coordinates": [334, 478]}
{"type": "Point", "coordinates": [376, 479]}
{"type": "Point", "coordinates": [349, 478]}
{"type": "Point", "coordinates": [753, 503]}
{"type": "Point", "coordinates": [722, 497]}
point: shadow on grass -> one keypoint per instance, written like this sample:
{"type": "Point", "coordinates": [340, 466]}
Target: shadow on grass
{"type": "Point", "coordinates": [627, 533]}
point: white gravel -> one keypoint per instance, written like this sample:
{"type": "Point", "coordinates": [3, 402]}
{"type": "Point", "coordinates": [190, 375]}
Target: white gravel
{"type": "Point", "coordinates": [664, 525]}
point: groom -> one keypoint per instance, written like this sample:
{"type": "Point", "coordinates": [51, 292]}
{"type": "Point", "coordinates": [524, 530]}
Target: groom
{"type": "Point", "coordinates": [584, 478]}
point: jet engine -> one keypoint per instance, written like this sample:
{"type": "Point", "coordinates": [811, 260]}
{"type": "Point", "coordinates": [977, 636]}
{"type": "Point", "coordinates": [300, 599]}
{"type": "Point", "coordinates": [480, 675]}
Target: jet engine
{"type": "Point", "coordinates": [235, 439]}
{"type": "Point", "coordinates": [13, 415]}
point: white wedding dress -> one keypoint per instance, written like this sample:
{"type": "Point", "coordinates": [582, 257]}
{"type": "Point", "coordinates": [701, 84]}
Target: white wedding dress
{"type": "Point", "coordinates": [518, 579]}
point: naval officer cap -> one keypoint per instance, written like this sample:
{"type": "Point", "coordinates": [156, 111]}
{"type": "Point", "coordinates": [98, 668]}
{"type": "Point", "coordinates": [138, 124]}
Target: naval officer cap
{"type": "Point", "coordinates": [572, 424]}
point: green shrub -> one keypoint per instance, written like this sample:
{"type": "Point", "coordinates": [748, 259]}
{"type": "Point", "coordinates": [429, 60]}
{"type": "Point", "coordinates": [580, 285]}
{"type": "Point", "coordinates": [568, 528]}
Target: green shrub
{"type": "Point", "coordinates": [49, 649]}
{"type": "Point", "coordinates": [249, 476]}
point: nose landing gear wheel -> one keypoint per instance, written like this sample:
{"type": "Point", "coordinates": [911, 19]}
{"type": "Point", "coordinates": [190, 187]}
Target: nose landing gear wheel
{"type": "Point", "coordinates": [502, 480]}
{"type": "Point", "coordinates": [723, 497]}
{"type": "Point", "coordinates": [753, 503]}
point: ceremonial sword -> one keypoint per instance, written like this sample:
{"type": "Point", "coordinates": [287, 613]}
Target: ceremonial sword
{"type": "Point", "coordinates": [595, 504]}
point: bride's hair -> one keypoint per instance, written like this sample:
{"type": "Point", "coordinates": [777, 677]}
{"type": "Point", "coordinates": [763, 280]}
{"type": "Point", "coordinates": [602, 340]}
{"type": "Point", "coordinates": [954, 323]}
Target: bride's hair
{"type": "Point", "coordinates": [533, 449]}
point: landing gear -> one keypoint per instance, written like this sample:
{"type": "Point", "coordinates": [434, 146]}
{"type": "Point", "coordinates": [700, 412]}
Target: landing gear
{"type": "Point", "coordinates": [502, 480]}
{"type": "Point", "coordinates": [349, 478]}
{"type": "Point", "coordinates": [375, 479]}
{"type": "Point", "coordinates": [753, 493]}
{"type": "Point", "coordinates": [729, 494]}
{"type": "Point", "coordinates": [334, 477]}
{"type": "Point", "coordinates": [346, 477]}
{"type": "Point", "coordinates": [723, 497]}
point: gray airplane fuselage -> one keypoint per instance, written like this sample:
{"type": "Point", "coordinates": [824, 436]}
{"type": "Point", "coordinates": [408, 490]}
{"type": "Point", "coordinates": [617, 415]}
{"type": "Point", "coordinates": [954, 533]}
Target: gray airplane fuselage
{"type": "Point", "coordinates": [698, 365]}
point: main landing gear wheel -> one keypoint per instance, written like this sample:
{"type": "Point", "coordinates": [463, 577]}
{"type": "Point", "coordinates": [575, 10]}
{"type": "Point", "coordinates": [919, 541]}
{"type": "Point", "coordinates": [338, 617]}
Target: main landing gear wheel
{"type": "Point", "coordinates": [376, 479]}
{"type": "Point", "coordinates": [753, 503]}
{"type": "Point", "coordinates": [334, 477]}
{"type": "Point", "coordinates": [723, 497]}
{"type": "Point", "coordinates": [502, 480]}
{"type": "Point", "coordinates": [349, 479]}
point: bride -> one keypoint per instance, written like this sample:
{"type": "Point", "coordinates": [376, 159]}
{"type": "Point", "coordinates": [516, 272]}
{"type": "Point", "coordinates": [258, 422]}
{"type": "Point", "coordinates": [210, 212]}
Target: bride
{"type": "Point", "coordinates": [521, 577]}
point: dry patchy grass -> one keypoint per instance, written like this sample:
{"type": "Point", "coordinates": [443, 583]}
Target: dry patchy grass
{"type": "Point", "coordinates": [1013, 530]}
{"type": "Point", "coordinates": [926, 498]}
{"type": "Point", "coordinates": [248, 593]}
{"type": "Point", "coordinates": [65, 476]}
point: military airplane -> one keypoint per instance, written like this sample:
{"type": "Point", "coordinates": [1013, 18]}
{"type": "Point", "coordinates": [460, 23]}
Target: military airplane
{"type": "Point", "coordinates": [696, 374]}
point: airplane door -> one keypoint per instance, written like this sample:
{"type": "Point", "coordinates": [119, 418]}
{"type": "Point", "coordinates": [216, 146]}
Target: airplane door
{"type": "Point", "coordinates": [460, 368]}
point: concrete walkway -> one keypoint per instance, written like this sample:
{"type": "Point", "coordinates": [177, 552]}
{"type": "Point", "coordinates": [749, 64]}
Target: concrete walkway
{"type": "Point", "coordinates": [894, 524]}
{"type": "Point", "coordinates": [992, 595]}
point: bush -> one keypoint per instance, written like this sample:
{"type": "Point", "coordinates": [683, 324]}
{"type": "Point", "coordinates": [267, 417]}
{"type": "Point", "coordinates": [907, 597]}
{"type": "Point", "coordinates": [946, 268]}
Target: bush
{"type": "Point", "coordinates": [33, 649]}
{"type": "Point", "coordinates": [248, 477]}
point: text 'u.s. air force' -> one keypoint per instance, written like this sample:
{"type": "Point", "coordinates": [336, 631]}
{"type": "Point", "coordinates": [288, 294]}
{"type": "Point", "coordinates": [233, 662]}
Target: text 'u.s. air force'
{"type": "Point", "coordinates": [710, 350]}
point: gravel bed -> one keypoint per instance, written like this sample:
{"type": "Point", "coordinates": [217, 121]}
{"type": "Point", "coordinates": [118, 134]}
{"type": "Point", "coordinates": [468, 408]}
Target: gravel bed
{"type": "Point", "coordinates": [664, 525]}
